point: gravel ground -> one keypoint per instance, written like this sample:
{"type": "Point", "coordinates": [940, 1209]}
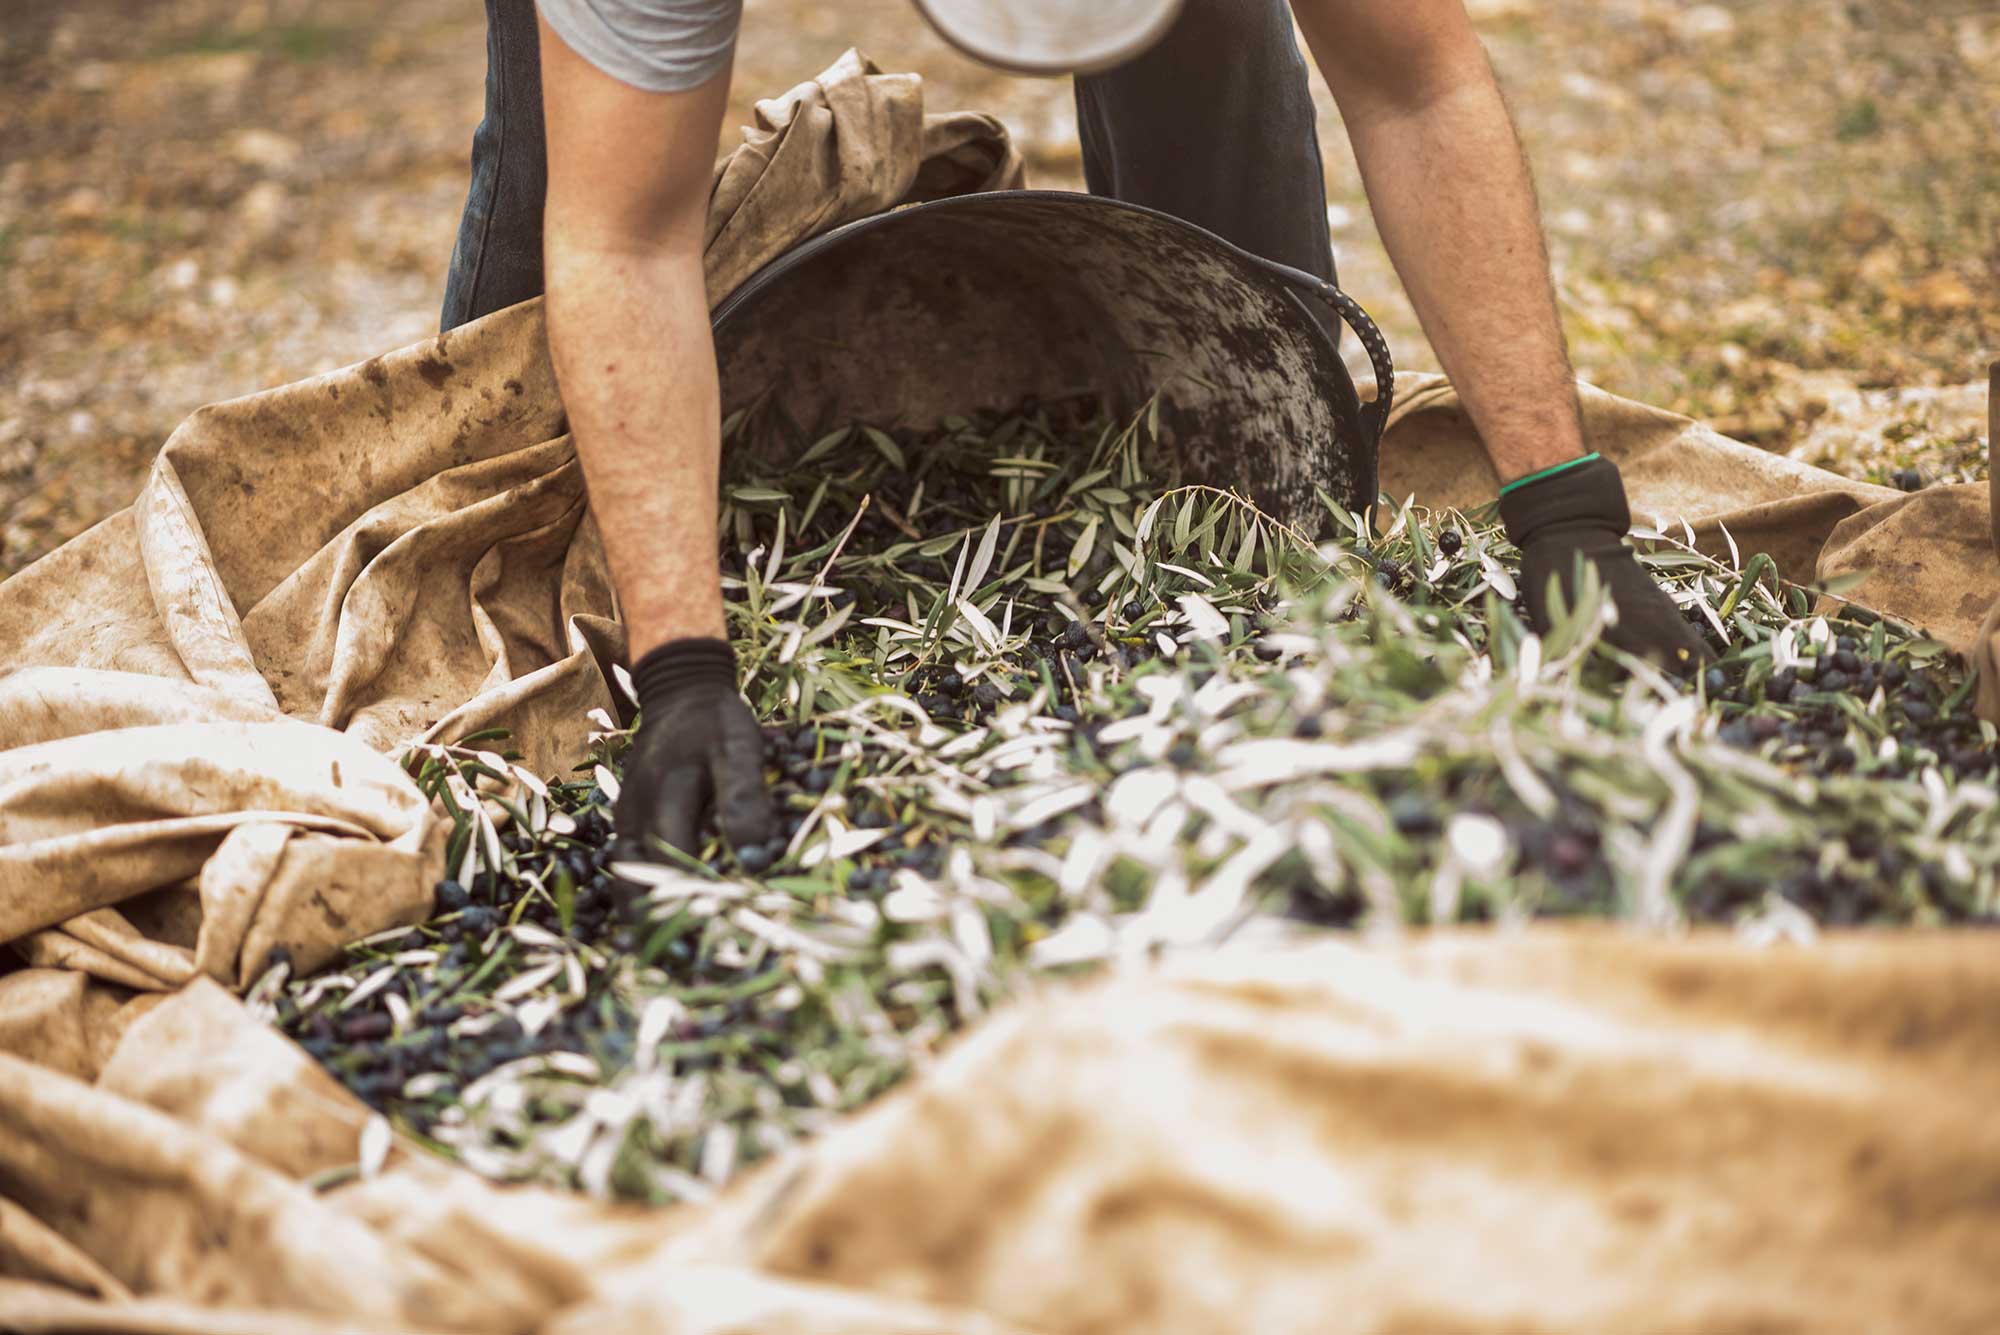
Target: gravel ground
{"type": "Point", "coordinates": [1781, 215]}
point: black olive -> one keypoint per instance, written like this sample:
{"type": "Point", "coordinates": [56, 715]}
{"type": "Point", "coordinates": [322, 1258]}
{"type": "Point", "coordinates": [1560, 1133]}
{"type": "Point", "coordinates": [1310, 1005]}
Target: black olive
{"type": "Point", "coordinates": [1133, 611]}
{"type": "Point", "coordinates": [1569, 855]}
{"type": "Point", "coordinates": [1414, 814]}
{"type": "Point", "coordinates": [1267, 651]}
{"type": "Point", "coordinates": [1449, 542]}
{"type": "Point", "coordinates": [361, 1028]}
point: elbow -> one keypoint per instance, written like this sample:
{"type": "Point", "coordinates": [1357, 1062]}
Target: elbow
{"type": "Point", "coordinates": [1427, 69]}
{"type": "Point", "coordinates": [668, 219]}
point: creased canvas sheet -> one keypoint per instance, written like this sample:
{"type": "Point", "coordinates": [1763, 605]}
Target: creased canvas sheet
{"type": "Point", "coordinates": [201, 697]}
{"type": "Point", "coordinates": [1568, 1132]}
{"type": "Point", "coordinates": [201, 701]}
{"type": "Point", "coordinates": [1926, 559]}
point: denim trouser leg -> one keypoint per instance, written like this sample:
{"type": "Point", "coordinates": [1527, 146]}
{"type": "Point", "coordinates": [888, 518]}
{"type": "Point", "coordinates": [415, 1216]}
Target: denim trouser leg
{"type": "Point", "coordinates": [1215, 124]}
{"type": "Point", "coordinates": [498, 258]}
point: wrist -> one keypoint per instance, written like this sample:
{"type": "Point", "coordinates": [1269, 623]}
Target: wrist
{"type": "Point", "coordinates": [670, 668]}
{"type": "Point", "coordinates": [1587, 492]}
{"type": "Point", "coordinates": [692, 615]}
{"type": "Point", "coordinates": [1553, 470]}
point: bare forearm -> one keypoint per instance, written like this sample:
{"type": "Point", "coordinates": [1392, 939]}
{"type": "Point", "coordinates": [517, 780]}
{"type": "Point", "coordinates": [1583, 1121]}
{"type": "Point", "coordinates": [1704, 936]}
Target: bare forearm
{"type": "Point", "coordinates": [1452, 196]}
{"type": "Point", "coordinates": [630, 338]}
{"type": "Point", "coordinates": [628, 330]}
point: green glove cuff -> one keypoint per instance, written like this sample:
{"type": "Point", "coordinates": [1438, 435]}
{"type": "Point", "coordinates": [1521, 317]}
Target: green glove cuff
{"type": "Point", "coordinates": [1592, 457]}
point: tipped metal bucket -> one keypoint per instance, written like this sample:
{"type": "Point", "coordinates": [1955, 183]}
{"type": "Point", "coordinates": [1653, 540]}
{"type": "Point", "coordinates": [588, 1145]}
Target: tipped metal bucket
{"type": "Point", "coordinates": [993, 300]}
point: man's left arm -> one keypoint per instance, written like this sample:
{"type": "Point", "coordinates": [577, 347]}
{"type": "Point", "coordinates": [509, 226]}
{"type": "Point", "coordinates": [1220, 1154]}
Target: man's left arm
{"type": "Point", "coordinates": [1451, 194]}
{"type": "Point", "coordinates": [1452, 197]}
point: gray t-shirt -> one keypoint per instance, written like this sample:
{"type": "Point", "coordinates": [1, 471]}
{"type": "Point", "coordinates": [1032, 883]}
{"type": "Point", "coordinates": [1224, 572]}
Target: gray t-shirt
{"type": "Point", "coordinates": [660, 46]}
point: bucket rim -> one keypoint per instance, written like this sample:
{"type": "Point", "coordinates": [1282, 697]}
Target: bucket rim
{"type": "Point", "coordinates": [773, 272]}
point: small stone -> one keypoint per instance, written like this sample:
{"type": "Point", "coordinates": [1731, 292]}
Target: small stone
{"type": "Point", "coordinates": [1907, 479]}
{"type": "Point", "coordinates": [1703, 22]}
{"type": "Point", "coordinates": [264, 208]}
{"type": "Point", "coordinates": [264, 149]}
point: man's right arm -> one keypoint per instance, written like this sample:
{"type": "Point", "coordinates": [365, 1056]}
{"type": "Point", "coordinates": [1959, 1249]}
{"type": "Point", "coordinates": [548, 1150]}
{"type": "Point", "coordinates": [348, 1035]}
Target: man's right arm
{"type": "Point", "coordinates": [629, 175]}
{"type": "Point", "coordinates": [629, 178]}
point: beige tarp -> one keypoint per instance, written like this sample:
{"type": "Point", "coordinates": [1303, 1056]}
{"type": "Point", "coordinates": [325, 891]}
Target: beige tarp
{"type": "Point", "coordinates": [1553, 1132]}
{"type": "Point", "coordinates": [1929, 558]}
{"type": "Point", "coordinates": [200, 702]}
{"type": "Point", "coordinates": [200, 696]}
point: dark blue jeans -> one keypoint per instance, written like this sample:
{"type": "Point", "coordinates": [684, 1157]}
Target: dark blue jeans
{"type": "Point", "coordinates": [1214, 125]}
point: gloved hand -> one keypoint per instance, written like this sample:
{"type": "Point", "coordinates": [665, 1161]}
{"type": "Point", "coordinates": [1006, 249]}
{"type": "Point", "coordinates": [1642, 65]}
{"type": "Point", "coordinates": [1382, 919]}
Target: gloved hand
{"type": "Point", "coordinates": [1579, 509]}
{"type": "Point", "coordinates": [698, 747]}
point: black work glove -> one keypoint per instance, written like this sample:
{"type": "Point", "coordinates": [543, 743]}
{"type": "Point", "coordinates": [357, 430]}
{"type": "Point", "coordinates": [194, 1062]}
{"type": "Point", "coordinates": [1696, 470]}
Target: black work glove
{"type": "Point", "coordinates": [1577, 510]}
{"type": "Point", "coordinates": [698, 747]}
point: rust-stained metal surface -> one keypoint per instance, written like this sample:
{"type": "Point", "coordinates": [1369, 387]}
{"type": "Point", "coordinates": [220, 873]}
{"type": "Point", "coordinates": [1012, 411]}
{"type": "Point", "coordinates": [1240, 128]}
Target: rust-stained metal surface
{"type": "Point", "coordinates": [989, 300]}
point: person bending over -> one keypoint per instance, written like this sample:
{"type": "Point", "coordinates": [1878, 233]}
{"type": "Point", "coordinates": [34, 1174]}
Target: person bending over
{"type": "Point", "coordinates": [591, 175]}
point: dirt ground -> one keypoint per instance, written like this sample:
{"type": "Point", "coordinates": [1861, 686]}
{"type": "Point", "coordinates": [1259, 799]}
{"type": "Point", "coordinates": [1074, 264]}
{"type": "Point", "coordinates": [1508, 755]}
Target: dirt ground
{"type": "Point", "coordinates": [1783, 215]}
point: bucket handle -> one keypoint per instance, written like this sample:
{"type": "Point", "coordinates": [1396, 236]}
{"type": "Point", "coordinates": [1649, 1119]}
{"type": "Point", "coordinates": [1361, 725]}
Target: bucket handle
{"type": "Point", "coordinates": [1374, 415]}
